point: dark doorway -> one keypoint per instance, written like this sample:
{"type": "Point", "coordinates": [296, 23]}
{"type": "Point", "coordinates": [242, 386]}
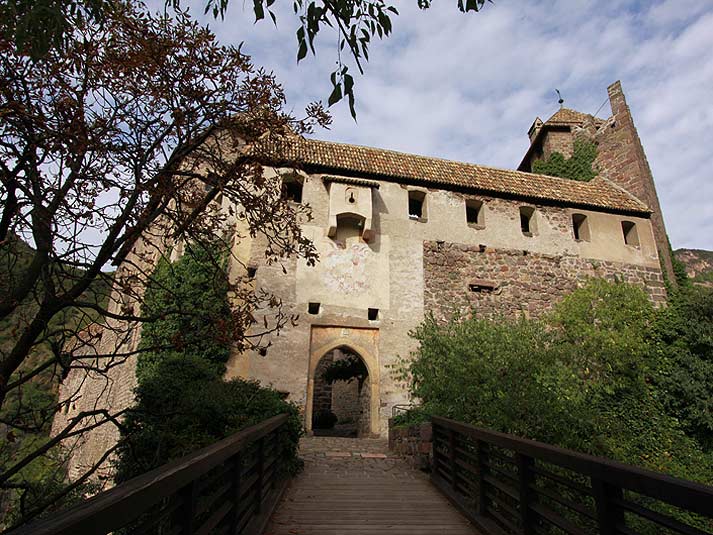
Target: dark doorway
{"type": "Point", "coordinates": [340, 406]}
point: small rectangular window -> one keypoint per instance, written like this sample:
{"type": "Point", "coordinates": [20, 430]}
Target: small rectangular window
{"type": "Point", "coordinates": [528, 224]}
{"type": "Point", "coordinates": [631, 235]}
{"type": "Point", "coordinates": [474, 213]}
{"type": "Point", "coordinates": [313, 308]}
{"type": "Point", "coordinates": [252, 271]}
{"type": "Point", "coordinates": [416, 201]}
{"type": "Point", "coordinates": [292, 189]}
{"type": "Point", "coordinates": [373, 314]}
{"type": "Point", "coordinates": [580, 227]}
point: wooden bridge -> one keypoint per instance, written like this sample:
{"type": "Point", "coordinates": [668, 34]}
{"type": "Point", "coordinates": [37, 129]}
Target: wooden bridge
{"type": "Point", "coordinates": [481, 482]}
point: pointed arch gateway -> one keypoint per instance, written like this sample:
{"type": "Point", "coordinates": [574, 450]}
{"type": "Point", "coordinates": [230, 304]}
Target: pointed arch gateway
{"type": "Point", "coordinates": [328, 344]}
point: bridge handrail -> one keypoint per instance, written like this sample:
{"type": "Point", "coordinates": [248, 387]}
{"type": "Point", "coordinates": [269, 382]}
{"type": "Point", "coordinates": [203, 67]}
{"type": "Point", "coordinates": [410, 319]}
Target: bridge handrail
{"type": "Point", "coordinates": [508, 484]}
{"type": "Point", "coordinates": [178, 485]}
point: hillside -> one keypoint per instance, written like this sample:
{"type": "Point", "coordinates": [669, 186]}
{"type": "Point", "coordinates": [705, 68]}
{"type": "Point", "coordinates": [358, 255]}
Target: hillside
{"type": "Point", "coordinates": [30, 408]}
{"type": "Point", "coordinates": [699, 265]}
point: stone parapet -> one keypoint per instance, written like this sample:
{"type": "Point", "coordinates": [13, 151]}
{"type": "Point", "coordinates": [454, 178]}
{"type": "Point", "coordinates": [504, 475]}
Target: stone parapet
{"type": "Point", "coordinates": [412, 443]}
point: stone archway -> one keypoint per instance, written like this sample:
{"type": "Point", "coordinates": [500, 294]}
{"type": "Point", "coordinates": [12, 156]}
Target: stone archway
{"type": "Point", "coordinates": [341, 406]}
{"type": "Point", "coordinates": [362, 342]}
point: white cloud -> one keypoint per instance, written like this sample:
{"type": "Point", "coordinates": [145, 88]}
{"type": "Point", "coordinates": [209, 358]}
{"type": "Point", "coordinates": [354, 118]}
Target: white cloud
{"type": "Point", "coordinates": [467, 87]}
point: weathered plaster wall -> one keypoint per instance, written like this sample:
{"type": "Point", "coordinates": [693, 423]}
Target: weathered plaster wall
{"type": "Point", "coordinates": [392, 272]}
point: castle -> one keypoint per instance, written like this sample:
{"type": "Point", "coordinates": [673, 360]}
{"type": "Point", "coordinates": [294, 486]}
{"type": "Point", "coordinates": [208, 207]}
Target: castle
{"type": "Point", "coordinates": [401, 235]}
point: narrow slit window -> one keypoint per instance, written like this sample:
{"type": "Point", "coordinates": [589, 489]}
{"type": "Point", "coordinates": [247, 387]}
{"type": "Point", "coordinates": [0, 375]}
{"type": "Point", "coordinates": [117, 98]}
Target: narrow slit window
{"type": "Point", "coordinates": [313, 308]}
{"type": "Point", "coordinates": [474, 212]}
{"type": "Point", "coordinates": [528, 224]}
{"type": "Point", "coordinates": [580, 227]}
{"type": "Point", "coordinates": [631, 235]}
{"type": "Point", "coordinates": [292, 189]}
{"type": "Point", "coordinates": [482, 286]}
{"type": "Point", "coordinates": [416, 202]}
{"type": "Point", "coordinates": [373, 314]}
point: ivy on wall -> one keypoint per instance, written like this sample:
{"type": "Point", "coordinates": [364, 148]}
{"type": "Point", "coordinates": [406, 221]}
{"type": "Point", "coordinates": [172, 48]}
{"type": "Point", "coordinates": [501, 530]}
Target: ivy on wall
{"type": "Point", "coordinates": [578, 167]}
{"type": "Point", "coordinates": [190, 299]}
{"type": "Point", "coordinates": [182, 401]}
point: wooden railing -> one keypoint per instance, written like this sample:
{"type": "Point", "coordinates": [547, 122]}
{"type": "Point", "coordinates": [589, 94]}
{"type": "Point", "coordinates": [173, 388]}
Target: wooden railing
{"type": "Point", "coordinates": [506, 484]}
{"type": "Point", "coordinates": [229, 487]}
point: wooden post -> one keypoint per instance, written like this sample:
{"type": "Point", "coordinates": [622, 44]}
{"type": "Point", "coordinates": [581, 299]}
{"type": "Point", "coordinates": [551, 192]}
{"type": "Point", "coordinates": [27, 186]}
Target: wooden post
{"type": "Point", "coordinates": [525, 478]}
{"type": "Point", "coordinates": [237, 489]}
{"type": "Point", "coordinates": [260, 472]}
{"type": "Point", "coordinates": [452, 455]}
{"type": "Point", "coordinates": [609, 514]}
{"type": "Point", "coordinates": [482, 448]}
{"type": "Point", "coordinates": [275, 439]}
{"type": "Point", "coordinates": [186, 514]}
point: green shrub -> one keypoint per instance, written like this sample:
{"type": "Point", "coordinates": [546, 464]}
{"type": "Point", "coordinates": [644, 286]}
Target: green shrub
{"type": "Point", "coordinates": [182, 401]}
{"type": "Point", "coordinates": [411, 417]}
{"type": "Point", "coordinates": [190, 299]}
{"type": "Point", "coordinates": [183, 407]}
{"type": "Point", "coordinates": [683, 339]}
{"type": "Point", "coordinates": [582, 377]}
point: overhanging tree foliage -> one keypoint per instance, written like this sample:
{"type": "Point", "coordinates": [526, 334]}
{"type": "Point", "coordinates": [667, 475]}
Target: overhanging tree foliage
{"type": "Point", "coordinates": [347, 369]}
{"type": "Point", "coordinates": [38, 25]}
{"type": "Point", "coordinates": [112, 150]}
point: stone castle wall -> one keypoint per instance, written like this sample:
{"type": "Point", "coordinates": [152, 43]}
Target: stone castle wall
{"type": "Point", "coordinates": [622, 160]}
{"type": "Point", "coordinates": [558, 141]}
{"type": "Point", "coordinates": [406, 268]}
{"type": "Point", "coordinates": [506, 282]}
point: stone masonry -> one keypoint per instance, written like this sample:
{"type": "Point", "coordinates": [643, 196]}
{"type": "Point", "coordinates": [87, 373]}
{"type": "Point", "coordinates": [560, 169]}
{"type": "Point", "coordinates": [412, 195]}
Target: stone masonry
{"type": "Point", "coordinates": [622, 160]}
{"type": "Point", "coordinates": [506, 282]}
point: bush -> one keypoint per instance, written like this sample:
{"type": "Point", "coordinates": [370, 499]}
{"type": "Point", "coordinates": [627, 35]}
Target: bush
{"type": "Point", "coordinates": [182, 402]}
{"type": "Point", "coordinates": [582, 378]}
{"type": "Point", "coordinates": [190, 299]}
{"type": "Point", "coordinates": [683, 339]}
{"type": "Point", "coordinates": [413, 416]}
{"type": "Point", "coordinates": [184, 407]}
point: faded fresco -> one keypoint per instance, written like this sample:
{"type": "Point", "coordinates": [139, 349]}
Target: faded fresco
{"type": "Point", "coordinates": [345, 270]}
{"type": "Point", "coordinates": [349, 273]}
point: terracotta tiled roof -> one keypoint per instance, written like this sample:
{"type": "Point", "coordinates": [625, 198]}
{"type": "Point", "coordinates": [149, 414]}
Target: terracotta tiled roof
{"type": "Point", "coordinates": [427, 171]}
{"type": "Point", "coordinates": [567, 117]}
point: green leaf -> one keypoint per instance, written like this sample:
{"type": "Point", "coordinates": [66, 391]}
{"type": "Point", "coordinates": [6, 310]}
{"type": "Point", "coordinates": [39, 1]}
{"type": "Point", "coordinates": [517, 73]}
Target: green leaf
{"type": "Point", "coordinates": [336, 95]}
{"type": "Point", "coordinates": [302, 50]}
{"type": "Point", "coordinates": [259, 10]}
{"type": "Point", "coordinates": [349, 92]}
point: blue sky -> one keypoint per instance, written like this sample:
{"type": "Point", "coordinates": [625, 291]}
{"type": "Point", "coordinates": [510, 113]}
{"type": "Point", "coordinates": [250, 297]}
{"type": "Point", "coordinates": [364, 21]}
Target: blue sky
{"type": "Point", "coordinates": [467, 87]}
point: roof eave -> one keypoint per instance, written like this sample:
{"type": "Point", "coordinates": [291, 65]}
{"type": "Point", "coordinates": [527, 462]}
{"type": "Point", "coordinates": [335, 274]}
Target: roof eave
{"type": "Point", "coordinates": [323, 169]}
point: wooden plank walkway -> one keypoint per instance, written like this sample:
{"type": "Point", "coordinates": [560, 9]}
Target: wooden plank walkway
{"type": "Point", "coordinates": [355, 487]}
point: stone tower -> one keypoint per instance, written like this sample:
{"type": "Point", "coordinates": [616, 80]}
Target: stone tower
{"type": "Point", "coordinates": [620, 159]}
